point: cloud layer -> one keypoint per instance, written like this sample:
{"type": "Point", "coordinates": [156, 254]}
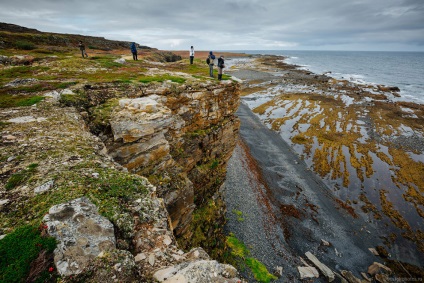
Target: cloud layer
{"type": "Point", "coordinates": [232, 24]}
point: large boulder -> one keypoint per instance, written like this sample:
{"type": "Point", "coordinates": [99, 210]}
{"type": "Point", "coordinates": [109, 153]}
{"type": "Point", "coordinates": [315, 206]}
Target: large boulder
{"type": "Point", "coordinates": [81, 232]}
{"type": "Point", "coordinates": [197, 267]}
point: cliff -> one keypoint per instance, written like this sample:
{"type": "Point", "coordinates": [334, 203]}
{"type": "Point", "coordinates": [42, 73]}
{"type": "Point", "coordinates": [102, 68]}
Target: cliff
{"type": "Point", "coordinates": [111, 158]}
{"type": "Point", "coordinates": [14, 36]}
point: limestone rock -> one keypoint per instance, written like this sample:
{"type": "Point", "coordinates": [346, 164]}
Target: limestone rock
{"type": "Point", "coordinates": [325, 243]}
{"type": "Point", "coordinates": [120, 61]}
{"type": "Point", "coordinates": [111, 266]}
{"type": "Point", "coordinates": [54, 95]}
{"type": "Point", "coordinates": [4, 60]}
{"type": "Point", "coordinates": [322, 267]}
{"type": "Point", "coordinates": [176, 135]}
{"type": "Point", "coordinates": [365, 276]}
{"type": "Point", "coordinates": [26, 119]}
{"type": "Point", "coordinates": [373, 251]}
{"type": "Point", "coordinates": [44, 187]}
{"type": "Point", "coordinates": [307, 272]}
{"type": "Point", "coordinates": [3, 202]}
{"type": "Point", "coordinates": [81, 232]}
{"type": "Point", "coordinates": [341, 278]}
{"type": "Point", "coordinates": [140, 257]}
{"type": "Point", "coordinates": [19, 82]}
{"type": "Point", "coordinates": [201, 271]}
{"type": "Point", "coordinates": [376, 267]}
{"type": "Point", "coordinates": [67, 91]}
{"type": "Point", "coordinates": [350, 277]}
{"type": "Point", "coordinates": [278, 271]}
{"type": "Point", "coordinates": [21, 60]}
{"type": "Point", "coordinates": [382, 278]}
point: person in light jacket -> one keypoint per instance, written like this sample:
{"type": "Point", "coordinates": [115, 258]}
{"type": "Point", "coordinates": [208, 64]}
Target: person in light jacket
{"type": "Point", "coordinates": [191, 55]}
{"type": "Point", "coordinates": [211, 63]}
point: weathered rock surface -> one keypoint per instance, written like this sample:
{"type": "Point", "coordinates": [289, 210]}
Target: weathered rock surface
{"type": "Point", "coordinates": [197, 268]}
{"type": "Point", "coordinates": [82, 234]}
{"type": "Point", "coordinates": [322, 267]}
{"type": "Point", "coordinates": [181, 136]}
{"type": "Point", "coordinates": [307, 272]}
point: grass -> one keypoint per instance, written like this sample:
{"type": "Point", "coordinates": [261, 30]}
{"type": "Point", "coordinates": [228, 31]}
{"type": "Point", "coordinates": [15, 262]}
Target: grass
{"type": "Point", "coordinates": [259, 270]}
{"type": "Point", "coordinates": [238, 248]}
{"type": "Point", "coordinates": [18, 100]}
{"type": "Point", "coordinates": [25, 45]}
{"type": "Point", "coordinates": [19, 249]}
{"type": "Point", "coordinates": [20, 177]}
{"type": "Point", "coordinates": [76, 100]}
{"type": "Point", "coordinates": [109, 192]}
{"type": "Point", "coordinates": [106, 61]}
{"type": "Point", "coordinates": [241, 253]}
{"type": "Point", "coordinates": [239, 214]}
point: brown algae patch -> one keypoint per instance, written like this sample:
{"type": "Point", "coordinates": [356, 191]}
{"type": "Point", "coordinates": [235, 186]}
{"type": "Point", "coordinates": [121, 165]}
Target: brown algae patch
{"type": "Point", "coordinates": [249, 90]}
{"type": "Point", "coordinates": [353, 145]}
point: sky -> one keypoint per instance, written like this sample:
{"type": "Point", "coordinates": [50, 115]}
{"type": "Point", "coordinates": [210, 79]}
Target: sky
{"type": "Point", "coordinates": [359, 25]}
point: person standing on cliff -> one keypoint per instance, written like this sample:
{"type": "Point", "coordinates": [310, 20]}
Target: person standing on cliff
{"type": "Point", "coordinates": [220, 66]}
{"type": "Point", "coordinates": [82, 48]}
{"type": "Point", "coordinates": [134, 51]}
{"type": "Point", "coordinates": [211, 59]}
{"type": "Point", "coordinates": [191, 55]}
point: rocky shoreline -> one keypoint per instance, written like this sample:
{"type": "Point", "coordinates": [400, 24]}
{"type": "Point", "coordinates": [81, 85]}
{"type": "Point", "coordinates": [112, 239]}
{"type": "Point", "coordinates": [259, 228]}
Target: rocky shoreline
{"type": "Point", "coordinates": [290, 203]}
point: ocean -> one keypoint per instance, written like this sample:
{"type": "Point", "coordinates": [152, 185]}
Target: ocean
{"type": "Point", "coordinates": [402, 69]}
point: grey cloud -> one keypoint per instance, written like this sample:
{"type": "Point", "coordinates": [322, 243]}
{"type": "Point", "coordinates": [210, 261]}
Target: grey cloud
{"type": "Point", "coordinates": [231, 24]}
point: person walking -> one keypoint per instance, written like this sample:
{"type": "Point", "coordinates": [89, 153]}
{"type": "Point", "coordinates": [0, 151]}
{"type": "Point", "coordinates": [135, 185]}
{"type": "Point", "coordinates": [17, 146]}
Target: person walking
{"type": "Point", "coordinates": [220, 66]}
{"type": "Point", "coordinates": [134, 51]}
{"type": "Point", "coordinates": [191, 55]}
{"type": "Point", "coordinates": [82, 48]}
{"type": "Point", "coordinates": [211, 58]}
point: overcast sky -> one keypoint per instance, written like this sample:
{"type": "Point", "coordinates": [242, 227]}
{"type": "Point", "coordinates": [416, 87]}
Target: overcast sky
{"type": "Point", "coordinates": [386, 25]}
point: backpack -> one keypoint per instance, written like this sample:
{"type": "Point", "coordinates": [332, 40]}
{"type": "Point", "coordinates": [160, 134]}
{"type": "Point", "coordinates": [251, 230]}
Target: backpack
{"type": "Point", "coordinates": [208, 61]}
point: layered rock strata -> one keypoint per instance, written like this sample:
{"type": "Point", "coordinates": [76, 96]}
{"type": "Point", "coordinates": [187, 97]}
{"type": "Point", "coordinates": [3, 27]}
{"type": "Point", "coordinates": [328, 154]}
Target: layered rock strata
{"type": "Point", "coordinates": [109, 222]}
{"type": "Point", "coordinates": [181, 140]}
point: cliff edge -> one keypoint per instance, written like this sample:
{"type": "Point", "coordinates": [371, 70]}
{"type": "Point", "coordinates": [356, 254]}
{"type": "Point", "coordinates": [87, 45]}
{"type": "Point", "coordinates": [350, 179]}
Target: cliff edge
{"type": "Point", "coordinates": [110, 157]}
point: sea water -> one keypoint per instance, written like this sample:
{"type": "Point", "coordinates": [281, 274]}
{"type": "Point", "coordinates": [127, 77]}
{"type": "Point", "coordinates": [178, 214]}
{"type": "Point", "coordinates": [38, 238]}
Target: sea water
{"type": "Point", "coordinates": [402, 69]}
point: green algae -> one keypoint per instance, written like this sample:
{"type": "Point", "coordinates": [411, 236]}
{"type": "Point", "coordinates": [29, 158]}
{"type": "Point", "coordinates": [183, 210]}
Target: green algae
{"type": "Point", "coordinates": [241, 254]}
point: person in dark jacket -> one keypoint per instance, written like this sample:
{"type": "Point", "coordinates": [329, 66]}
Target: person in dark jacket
{"type": "Point", "coordinates": [211, 58]}
{"type": "Point", "coordinates": [220, 66]}
{"type": "Point", "coordinates": [82, 48]}
{"type": "Point", "coordinates": [134, 51]}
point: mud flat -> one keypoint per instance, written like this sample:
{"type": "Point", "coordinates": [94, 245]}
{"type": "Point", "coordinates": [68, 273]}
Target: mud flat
{"type": "Point", "coordinates": [322, 159]}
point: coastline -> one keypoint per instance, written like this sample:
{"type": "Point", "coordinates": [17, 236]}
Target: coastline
{"type": "Point", "coordinates": [270, 85]}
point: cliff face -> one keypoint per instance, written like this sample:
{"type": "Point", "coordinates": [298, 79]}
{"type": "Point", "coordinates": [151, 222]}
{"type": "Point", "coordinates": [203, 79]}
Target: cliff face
{"type": "Point", "coordinates": [180, 137]}
{"type": "Point", "coordinates": [112, 159]}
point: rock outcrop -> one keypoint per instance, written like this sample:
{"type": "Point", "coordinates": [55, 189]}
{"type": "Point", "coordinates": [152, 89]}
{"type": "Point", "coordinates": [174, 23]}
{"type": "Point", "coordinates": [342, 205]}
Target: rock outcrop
{"type": "Point", "coordinates": [112, 158]}
{"type": "Point", "coordinates": [110, 222]}
{"type": "Point", "coordinates": [82, 233]}
{"type": "Point", "coordinates": [181, 140]}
